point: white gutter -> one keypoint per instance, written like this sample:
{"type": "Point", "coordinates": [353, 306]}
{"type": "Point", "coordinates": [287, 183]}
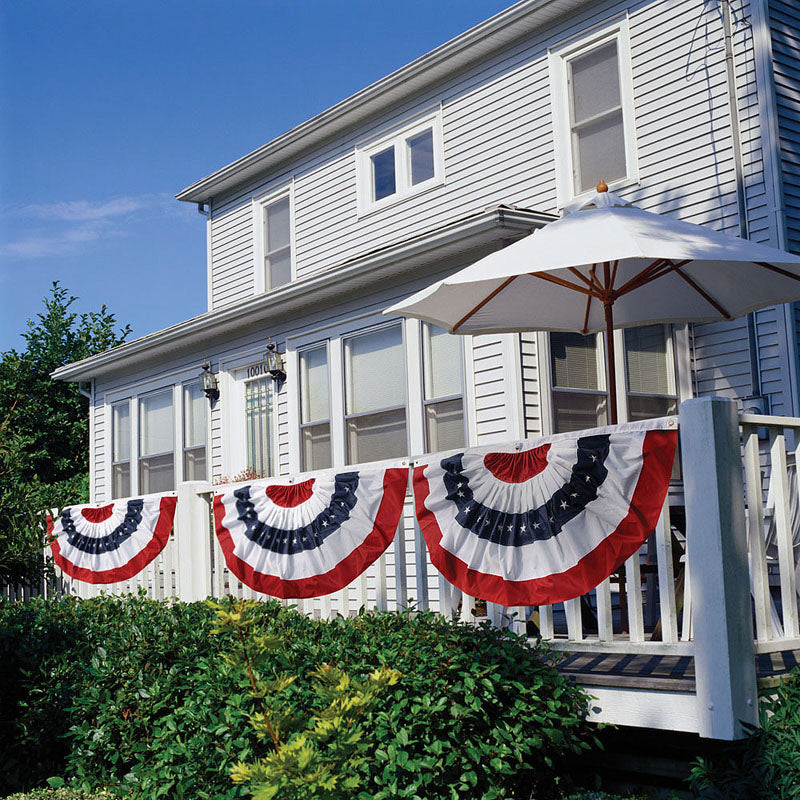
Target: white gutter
{"type": "Point", "coordinates": [358, 274]}
{"type": "Point", "coordinates": [483, 40]}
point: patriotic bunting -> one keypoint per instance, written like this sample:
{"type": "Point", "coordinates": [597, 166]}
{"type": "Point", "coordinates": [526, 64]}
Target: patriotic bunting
{"type": "Point", "coordinates": [310, 538]}
{"type": "Point", "coordinates": [111, 543]}
{"type": "Point", "coordinates": [550, 521]}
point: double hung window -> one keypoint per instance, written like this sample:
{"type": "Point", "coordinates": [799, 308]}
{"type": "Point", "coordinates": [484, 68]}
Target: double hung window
{"type": "Point", "coordinates": [579, 395]}
{"type": "Point", "coordinates": [593, 112]}
{"type": "Point", "coordinates": [375, 395]}
{"type": "Point", "coordinates": [315, 423]}
{"type": "Point", "coordinates": [401, 164]}
{"type": "Point", "coordinates": [260, 427]}
{"type": "Point", "coordinates": [194, 433]}
{"type": "Point", "coordinates": [443, 389]}
{"type": "Point", "coordinates": [274, 241]}
{"type": "Point", "coordinates": [156, 442]}
{"type": "Point", "coordinates": [121, 449]}
{"type": "Point", "coordinates": [650, 372]}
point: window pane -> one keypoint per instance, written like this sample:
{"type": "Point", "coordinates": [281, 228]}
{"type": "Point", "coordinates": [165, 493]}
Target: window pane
{"type": "Point", "coordinates": [444, 425]}
{"type": "Point", "coordinates": [156, 474]}
{"type": "Point", "coordinates": [442, 363]}
{"type": "Point", "coordinates": [600, 152]}
{"type": "Point", "coordinates": [279, 268]}
{"type": "Point", "coordinates": [575, 360]}
{"type": "Point", "coordinates": [314, 403]}
{"type": "Point", "coordinates": [374, 437]}
{"type": "Point", "coordinates": [595, 82]}
{"type": "Point", "coordinates": [375, 371]}
{"type": "Point", "coordinates": [420, 148]}
{"type": "Point", "coordinates": [316, 446]}
{"type": "Point", "coordinates": [194, 464]}
{"type": "Point", "coordinates": [155, 423]}
{"type": "Point", "coordinates": [194, 416]}
{"type": "Point", "coordinates": [647, 360]}
{"type": "Point", "coordinates": [260, 426]}
{"type": "Point", "coordinates": [648, 407]}
{"type": "Point", "coordinates": [121, 431]}
{"type": "Point", "coordinates": [121, 480]}
{"type": "Point", "coordinates": [383, 178]}
{"type": "Point", "coordinates": [277, 224]}
{"type": "Point", "coordinates": [573, 411]}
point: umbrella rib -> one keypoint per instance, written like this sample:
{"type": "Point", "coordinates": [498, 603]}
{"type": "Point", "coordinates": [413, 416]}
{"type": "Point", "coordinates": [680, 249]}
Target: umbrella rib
{"type": "Point", "coordinates": [561, 282]}
{"type": "Point", "coordinates": [590, 281]}
{"type": "Point", "coordinates": [483, 302]}
{"type": "Point", "coordinates": [702, 292]}
{"type": "Point", "coordinates": [780, 271]}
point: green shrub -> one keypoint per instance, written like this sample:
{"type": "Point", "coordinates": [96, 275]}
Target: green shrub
{"type": "Point", "coordinates": [143, 702]}
{"type": "Point", "coordinates": [767, 765]}
{"type": "Point", "coordinates": [59, 794]}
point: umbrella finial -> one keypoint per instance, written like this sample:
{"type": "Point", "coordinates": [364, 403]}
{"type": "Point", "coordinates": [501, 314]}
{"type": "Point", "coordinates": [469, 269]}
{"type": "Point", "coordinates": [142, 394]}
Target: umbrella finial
{"type": "Point", "coordinates": [602, 186]}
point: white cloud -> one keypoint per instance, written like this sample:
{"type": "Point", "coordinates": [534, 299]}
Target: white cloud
{"type": "Point", "coordinates": [73, 225]}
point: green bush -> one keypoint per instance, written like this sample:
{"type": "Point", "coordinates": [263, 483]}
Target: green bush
{"type": "Point", "coordinates": [134, 695]}
{"type": "Point", "coordinates": [59, 794]}
{"type": "Point", "coordinates": [767, 765]}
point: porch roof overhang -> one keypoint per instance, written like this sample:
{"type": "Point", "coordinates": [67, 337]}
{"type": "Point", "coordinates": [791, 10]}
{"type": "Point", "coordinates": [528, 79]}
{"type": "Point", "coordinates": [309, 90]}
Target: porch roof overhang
{"type": "Point", "coordinates": [423, 254]}
{"type": "Point", "coordinates": [480, 42]}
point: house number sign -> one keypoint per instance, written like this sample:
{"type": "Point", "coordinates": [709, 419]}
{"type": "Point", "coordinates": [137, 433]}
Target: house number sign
{"type": "Point", "coordinates": [256, 369]}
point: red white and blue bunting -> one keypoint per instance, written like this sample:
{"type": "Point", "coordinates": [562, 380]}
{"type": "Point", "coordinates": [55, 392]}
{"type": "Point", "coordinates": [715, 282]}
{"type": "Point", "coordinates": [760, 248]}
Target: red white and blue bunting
{"type": "Point", "coordinates": [550, 521]}
{"type": "Point", "coordinates": [111, 543]}
{"type": "Point", "coordinates": [308, 539]}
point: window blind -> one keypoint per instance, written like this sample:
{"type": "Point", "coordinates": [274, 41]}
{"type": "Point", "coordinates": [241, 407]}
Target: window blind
{"type": "Point", "coordinates": [375, 373]}
{"type": "Point", "coordinates": [121, 431]}
{"type": "Point", "coordinates": [194, 416]}
{"type": "Point", "coordinates": [155, 423]}
{"type": "Point", "coordinates": [315, 404]}
{"type": "Point", "coordinates": [647, 360]}
{"type": "Point", "coordinates": [575, 361]}
{"type": "Point", "coordinates": [443, 367]}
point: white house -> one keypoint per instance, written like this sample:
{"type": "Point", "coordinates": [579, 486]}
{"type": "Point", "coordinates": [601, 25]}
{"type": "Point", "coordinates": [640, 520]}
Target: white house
{"type": "Point", "coordinates": [685, 107]}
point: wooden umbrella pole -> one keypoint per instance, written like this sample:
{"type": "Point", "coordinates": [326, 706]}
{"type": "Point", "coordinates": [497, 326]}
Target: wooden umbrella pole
{"type": "Point", "coordinates": [608, 307]}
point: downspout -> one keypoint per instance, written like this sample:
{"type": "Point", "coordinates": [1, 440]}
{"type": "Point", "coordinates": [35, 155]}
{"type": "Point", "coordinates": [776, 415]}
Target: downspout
{"type": "Point", "coordinates": [754, 403]}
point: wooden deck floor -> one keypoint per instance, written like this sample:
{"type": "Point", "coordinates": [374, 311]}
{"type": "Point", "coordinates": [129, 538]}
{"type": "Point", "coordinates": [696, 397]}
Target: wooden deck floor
{"type": "Point", "coordinates": [666, 673]}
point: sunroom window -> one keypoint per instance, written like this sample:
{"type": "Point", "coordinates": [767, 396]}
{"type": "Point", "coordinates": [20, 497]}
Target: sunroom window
{"type": "Point", "coordinates": [443, 370]}
{"type": "Point", "coordinates": [315, 423]}
{"type": "Point", "coordinates": [156, 442]}
{"type": "Point", "coordinates": [375, 395]}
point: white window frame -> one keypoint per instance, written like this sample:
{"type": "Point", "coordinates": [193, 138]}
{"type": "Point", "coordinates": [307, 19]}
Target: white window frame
{"type": "Point", "coordinates": [559, 58]}
{"type": "Point", "coordinates": [132, 392]}
{"type": "Point", "coordinates": [259, 205]}
{"type": "Point", "coordinates": [403, 186]}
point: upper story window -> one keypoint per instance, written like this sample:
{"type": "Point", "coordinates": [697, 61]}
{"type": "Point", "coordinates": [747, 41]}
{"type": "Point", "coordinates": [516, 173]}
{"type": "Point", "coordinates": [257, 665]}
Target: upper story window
{"type": "Point", "coordinates": [274, 241]}
{"type": "Point", "coordinates": [315, 422]}
{"type": "Point", "coordinates": [375, 395]}
{"type": "Point", "coordinates": [593, 113]}
{"type": "Point", "coordinates": [443, 395]}
{"type": "Point", "coordinates": [401, 164]}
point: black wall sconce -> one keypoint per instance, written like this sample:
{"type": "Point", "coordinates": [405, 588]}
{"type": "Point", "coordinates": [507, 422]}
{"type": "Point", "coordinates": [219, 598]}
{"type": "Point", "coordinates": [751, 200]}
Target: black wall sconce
{"type": "Point", "coordinates": [273, 361]}
{"type": "Point", "coordinates": [209, 383]}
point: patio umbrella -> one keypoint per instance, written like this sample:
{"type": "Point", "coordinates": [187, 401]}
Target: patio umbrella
{"type": "Point", "coordinates": [609, 265]}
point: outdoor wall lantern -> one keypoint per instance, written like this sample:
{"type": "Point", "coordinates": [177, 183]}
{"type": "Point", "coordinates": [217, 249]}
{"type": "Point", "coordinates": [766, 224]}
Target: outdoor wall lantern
{"type": "Point", "coordinates": [209, 383]}
{"type": "Point", "coordinates": [274, 363]}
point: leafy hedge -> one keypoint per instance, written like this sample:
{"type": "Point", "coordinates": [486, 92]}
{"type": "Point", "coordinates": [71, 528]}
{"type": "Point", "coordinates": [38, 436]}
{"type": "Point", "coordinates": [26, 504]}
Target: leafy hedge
{"type": "Point", "coordinates": [134, 694]}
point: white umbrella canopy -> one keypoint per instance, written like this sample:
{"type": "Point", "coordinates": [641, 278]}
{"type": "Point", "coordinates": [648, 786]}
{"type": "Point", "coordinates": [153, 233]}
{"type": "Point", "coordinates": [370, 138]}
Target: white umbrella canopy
{"type": "Point", "coordinates": [609, 265]}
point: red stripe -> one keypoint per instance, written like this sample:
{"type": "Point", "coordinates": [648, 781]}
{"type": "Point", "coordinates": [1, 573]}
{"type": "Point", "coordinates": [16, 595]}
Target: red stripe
{"type": "Point", "coordinates": [395, 481]}
{"type": "Point", "coordinates": [96, 515]}
{"type": "Point", "coordinates": [517, 467]}
{"type": "Point", "coordinates": [658, 451]}
{"type": "Point", "coordinates": [291, 495]}
{"type": "Point", "coordinates": [166, 515]}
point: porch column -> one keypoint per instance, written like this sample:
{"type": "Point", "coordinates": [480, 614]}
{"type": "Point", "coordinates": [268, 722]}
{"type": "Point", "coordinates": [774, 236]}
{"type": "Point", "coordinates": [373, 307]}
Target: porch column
{"type": "Point", "coordinates": [724, 656]}
{"type": "Point", "coordinates": [193, 541]}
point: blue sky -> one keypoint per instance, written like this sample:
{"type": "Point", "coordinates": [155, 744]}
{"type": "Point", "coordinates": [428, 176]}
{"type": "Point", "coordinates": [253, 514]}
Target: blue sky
{"type": "Point", "coordinates": [107, 109]}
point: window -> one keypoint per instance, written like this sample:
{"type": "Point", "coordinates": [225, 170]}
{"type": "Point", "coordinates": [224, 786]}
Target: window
{"type": "Point", "coordinates": [578, 376]}
{"type": "Point", "coordinates": [194, 433]}
{"type": "Point", "coordinates": [443, 389]}
{"type": "Point", "coordinates": [274, 240]}
{"type": "Point", "coordinates": [375, 395]}
{"type": "Point", "coordinates": [156, 442]}
{"type": "Point", "coordinates": [593, 113]}
{"type": "Point", "coordinates": [260, 428]}
{"type": "Point", "coordinates": [315, 424]}
{"type": "Point", "coordinates": [650, 372]}
{"type": "Point", "coordinates": [401, 164]}
{"type": "Point", "coordinates": [121, 449]}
